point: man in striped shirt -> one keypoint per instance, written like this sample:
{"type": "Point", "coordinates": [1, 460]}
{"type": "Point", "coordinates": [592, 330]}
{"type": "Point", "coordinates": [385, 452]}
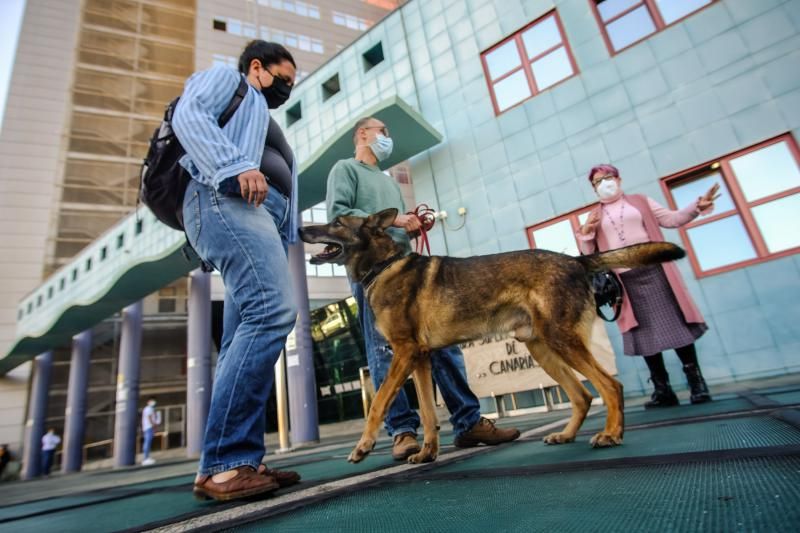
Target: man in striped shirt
{"type": "Point", "coordinates": [240, 214]}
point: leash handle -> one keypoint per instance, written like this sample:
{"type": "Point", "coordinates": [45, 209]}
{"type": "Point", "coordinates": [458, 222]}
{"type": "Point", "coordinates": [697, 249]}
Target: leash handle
{"type": "Point", "coordinates": [427, 219]}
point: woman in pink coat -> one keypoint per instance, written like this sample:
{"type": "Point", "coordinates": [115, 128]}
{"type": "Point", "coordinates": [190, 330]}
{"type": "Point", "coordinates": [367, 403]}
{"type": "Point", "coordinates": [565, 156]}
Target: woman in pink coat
{"type": "Point", "coordinates": [657, 313]}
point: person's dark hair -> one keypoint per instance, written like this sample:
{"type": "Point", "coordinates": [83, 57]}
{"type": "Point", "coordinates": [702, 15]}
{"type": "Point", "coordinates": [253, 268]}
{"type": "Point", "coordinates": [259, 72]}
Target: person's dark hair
{"type": "Point", "coordinates": [151, 398]}
{"type": "Point", "coordinates": [267, 53]}
{"type": "Point", "coordinates": [360, 123]}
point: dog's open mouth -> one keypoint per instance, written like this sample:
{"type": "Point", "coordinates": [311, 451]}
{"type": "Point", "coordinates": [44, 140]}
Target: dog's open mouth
{"type": "Point", "coordinates": [331, 252]}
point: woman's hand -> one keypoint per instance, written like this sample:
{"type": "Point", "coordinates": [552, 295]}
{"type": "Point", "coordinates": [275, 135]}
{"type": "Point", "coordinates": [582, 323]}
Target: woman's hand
{"type": "Point", "coordinates": [591, 223]}
{"type": "Point", "coordinates": [707, 200]}
{"type": "Point", "coordinates": [253, 186]}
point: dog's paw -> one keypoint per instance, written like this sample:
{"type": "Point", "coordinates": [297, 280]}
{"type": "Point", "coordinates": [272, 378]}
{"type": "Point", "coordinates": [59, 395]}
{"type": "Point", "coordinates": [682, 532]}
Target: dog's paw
{"type": "Point", "coordinates": [361, 450]}
{"type": "Point", "coordinates": [605, 440]}
{"type": "Point", "coordinates": [558, 438]}
{"type": "Point", "coordinates": [426, 455]}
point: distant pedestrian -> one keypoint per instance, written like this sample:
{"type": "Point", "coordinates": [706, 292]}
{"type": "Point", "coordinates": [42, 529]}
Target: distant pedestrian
{"type": "Point", "coordinates": [50, 442]}
{"type": "Point", "coordinates": [149, 423]}
{"type": "Point", "coordinates": [5, 458]}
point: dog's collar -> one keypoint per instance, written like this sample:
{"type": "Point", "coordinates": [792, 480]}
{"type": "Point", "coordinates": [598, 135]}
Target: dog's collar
{"type": "Point", "coordinates": [377, 268]}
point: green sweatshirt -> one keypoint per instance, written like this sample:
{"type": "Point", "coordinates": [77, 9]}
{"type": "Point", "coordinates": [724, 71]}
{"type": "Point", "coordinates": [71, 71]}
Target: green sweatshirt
{"type": "Point", "coordinates": [358, 189]}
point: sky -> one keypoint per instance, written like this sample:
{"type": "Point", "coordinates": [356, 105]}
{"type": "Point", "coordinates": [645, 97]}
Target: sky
{"type": "Point", "coordinates": [10, 20]}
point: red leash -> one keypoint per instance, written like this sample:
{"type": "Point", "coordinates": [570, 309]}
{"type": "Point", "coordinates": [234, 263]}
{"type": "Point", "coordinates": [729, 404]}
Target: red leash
{"type": "Point", "coordinates": [427, 218]}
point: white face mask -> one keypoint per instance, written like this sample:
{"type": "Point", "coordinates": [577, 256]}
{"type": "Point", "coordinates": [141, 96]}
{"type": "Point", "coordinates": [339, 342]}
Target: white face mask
{"type": "Point", "coordinates": [151, 403]}
{"type": "Point", "coordinates": [382, 147]}
{"type": "Point", "coordinates": [607, 189]}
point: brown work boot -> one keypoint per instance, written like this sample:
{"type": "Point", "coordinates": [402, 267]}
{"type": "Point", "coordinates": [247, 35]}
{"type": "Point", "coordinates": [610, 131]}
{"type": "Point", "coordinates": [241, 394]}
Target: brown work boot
{"type": "Point", "coordinates": [485, 432]}
{"type": "Point", "coordinates": [285, 478]}
{"type": "Point", "coordinates": [247, 482]}
{"type": "Point", "coordinates": [405, 444]}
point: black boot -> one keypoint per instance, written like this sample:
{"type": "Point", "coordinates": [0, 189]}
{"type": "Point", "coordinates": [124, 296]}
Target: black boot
{"type": "Point", "coordinates": [697, 385]}
{"type": "Point", "coordinates": [663, 395]}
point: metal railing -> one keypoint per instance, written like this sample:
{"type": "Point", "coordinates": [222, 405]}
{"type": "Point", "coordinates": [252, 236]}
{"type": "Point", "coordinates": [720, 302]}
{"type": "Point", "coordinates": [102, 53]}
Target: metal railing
{"type": "Point", "coordinates": [170, 428]}
{"type": "Point", "coordinates": [172, 425]}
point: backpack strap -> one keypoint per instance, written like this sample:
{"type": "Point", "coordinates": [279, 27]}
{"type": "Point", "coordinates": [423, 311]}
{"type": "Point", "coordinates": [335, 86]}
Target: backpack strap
{"type": "Point", "coordinates": [238, 96]}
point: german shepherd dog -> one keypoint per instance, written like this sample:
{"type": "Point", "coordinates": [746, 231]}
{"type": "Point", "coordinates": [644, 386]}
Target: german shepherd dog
{"type": "Point", "coordinates": [425, 303]}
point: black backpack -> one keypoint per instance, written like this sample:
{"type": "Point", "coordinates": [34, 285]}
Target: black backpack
{"type": "Point", "coordinates": [163, 180]}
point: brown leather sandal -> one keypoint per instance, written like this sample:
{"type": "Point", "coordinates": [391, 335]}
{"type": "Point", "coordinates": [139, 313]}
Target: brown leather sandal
{"type": "Point", "coordinates": [247, 482]}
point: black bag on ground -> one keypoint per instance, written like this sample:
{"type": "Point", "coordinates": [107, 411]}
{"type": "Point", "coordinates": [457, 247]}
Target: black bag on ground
{"type": "Point", "coordinates": [607, 290]}
{"type": "Point", "coordinates": [163, 180]}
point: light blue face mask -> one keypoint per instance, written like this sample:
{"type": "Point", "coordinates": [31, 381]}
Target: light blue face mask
{"type": "Point", "coordinates": [382, 147]}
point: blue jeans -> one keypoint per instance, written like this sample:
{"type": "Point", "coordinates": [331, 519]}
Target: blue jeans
{"type": "Point", "coordinates": [447, 367]}
{"type": "Point", "coordinates": [47, 461]}
{"type": "Point", "coordinates": [247, 245]}
{"type": "Point", "coordinates": [148, 441]}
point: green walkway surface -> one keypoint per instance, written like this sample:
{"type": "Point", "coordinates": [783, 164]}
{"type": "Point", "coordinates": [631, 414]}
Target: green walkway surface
{"type": "Point", "coordinates": [730, 465]}
{"type": "Point", "coordinates": [738, 495]}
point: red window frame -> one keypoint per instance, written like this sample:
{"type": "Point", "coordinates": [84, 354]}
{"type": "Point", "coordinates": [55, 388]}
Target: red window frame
{"type": "Point", "coordinates": [572, 216]}
{"type": "Point", "coordinates": [742, 206]}
{"type": "Point", "coordinates": [653, 11]}
{"type": "Point", "coordinates": [525, 62]}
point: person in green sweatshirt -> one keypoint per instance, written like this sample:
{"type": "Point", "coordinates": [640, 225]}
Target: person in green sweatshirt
{"type": "Point", "coordinates": [358, 187]}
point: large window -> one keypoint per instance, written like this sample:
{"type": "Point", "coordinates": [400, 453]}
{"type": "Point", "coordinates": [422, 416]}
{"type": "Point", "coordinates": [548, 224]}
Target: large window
{"type": "Point", "coordinates": [293, 40]}
{"type": "Point", "coordinates": [293, 6]}
{"type": "Point", "coordinates": [221, 59]}
{"type": "Point", "coordinates": [558, 234]}
{"type": "Point", "coordinates": [528, 62]}
{"type": "Point", "coordinates": [351, 21]}
{"type": "Point", "coordinates": [626, 22]}
{"type": "Point", "coordinates": [755, 218]}
{"type": "Point", "coordinates": [288, 38]}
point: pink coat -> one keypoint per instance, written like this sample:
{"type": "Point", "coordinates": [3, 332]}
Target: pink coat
{"type": "Point", "coordinates": [627, 320]}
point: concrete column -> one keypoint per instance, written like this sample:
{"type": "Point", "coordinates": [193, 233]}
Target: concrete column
{"type": "Point", "coordinates": [37, 413]}
{"type": "Point", "coordinates": [281, 396]}
{"type": "Point", "coordinates": [75, 413]}
{"type": "Point", "coordinates": [198, 361]}
{"type": "Point", "coordinates": [302, 383]}
{"type": "Point", "coordinates": [127, 414]}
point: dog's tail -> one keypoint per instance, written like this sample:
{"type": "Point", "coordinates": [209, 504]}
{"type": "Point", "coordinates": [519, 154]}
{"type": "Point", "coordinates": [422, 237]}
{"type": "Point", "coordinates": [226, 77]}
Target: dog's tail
{"type": "Point", "coordinates": [638, 255]}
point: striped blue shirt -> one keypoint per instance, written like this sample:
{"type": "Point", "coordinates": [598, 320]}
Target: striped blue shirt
{"type": "Point", "coordinates": [214, 154]}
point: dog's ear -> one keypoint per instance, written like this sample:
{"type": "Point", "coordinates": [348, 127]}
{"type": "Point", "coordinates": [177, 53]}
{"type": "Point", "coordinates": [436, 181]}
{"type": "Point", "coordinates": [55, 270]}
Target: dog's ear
{"type": "Point", "coordinates": [383, 219]}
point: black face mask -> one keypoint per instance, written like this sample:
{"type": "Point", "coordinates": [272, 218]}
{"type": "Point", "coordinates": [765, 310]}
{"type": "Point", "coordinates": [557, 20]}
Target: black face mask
{"type": "Point", "coordinates": [277, 93]}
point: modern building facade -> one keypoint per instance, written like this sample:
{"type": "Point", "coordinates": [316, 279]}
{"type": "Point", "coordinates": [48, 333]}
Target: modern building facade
{"type": "Point", "coordinates": [72, 150]}
{"type": "Point", "coordinates": [529, 95]}
{"type": "Point", "coordinates": [526, 96]}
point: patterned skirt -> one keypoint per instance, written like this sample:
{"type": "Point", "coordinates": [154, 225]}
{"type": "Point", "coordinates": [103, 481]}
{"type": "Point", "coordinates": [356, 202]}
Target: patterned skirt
{"type": "Point", "coordinates": [661, 322]}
